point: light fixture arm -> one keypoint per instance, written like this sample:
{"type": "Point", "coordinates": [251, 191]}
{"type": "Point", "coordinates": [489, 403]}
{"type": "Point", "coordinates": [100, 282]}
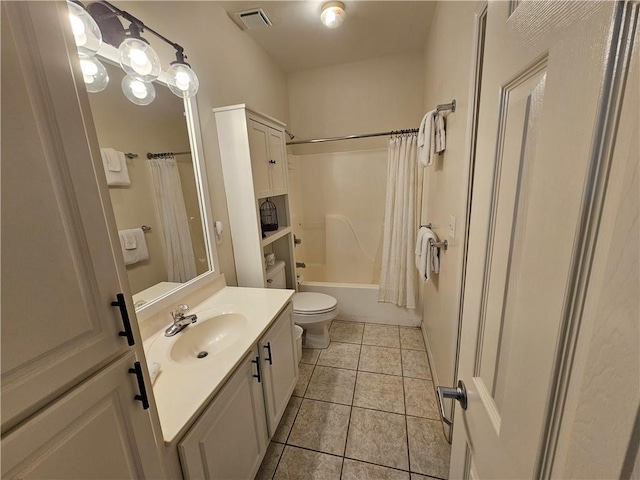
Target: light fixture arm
{"type": "Point", "coordinates": [140, 27]}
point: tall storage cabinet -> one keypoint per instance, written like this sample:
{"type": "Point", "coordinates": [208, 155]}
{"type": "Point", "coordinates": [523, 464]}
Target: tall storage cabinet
{"type": "Point", "coordinates": [254, 164]}
{"type": "Point", "coordinates": [68, 391]}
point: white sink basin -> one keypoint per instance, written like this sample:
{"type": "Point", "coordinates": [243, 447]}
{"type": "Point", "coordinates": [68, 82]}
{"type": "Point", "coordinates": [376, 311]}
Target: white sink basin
{"type": "Point", "coordinates": [206, 339]}
{"type": "Point", "coordinates": [202, 340]}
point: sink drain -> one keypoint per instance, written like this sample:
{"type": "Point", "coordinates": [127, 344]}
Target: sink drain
{"type": "Point", "coordinates": [202, 354]}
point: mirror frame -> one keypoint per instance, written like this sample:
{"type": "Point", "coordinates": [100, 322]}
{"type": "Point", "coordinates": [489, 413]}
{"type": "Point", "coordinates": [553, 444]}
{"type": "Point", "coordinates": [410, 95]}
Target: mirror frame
{"type": "Point", "coordinates": [168, 300]}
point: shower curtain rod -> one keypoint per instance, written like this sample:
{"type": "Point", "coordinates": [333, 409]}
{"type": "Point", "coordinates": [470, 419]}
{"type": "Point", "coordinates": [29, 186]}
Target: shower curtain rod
{"type": "Point", "coordinates": [165, 154]}
{"type": "Point", "coordinates": [349, 137]}
{"type": "Point", "coordinates": [443, 107]}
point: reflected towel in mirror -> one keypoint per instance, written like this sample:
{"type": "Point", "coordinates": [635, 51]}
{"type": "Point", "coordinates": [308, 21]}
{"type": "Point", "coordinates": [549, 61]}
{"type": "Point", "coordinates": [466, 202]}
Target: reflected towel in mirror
{"type": "Point", "coordinates": [137, 254]}
{"type": "Point", "coordinates": [115, 167]}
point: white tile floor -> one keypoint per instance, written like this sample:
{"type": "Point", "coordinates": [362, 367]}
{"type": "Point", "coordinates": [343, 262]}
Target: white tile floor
{"type": "Point", "coordinates": [363, 409]}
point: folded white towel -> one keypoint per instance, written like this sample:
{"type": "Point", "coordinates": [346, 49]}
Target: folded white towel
{"type": "Point", "coordinates": [154, 370]}
{"type": "Point", "coordinates": [129, 238]}
{"type": "Point", "coordinates": [426, 141]}
{"type": "Point", "coordinates": [112, 159]}
{"type": "Point", "coordinates": [137, 254]}
{"type": "Point", "coordinates": [423, 252]}
{"type": "Point", "coordinates": [115, 167]}
{"type": "Point", "coordinates": [441, 139]}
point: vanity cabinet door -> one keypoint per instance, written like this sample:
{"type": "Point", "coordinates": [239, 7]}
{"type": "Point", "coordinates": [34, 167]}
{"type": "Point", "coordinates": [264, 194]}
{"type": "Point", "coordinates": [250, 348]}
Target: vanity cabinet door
{"type": "Point", "coordinates": [280, 367]}
{"type": "Point", "coordinates": [98, 430]}
{"type": "Point", "coordinates": [59, 272]}
{"type": "Point", "coordinates": [260, 166]}
{"type": "Point", "coordinates": [278, 169]}
{"type": "Point", "coordinates": [230, 438]}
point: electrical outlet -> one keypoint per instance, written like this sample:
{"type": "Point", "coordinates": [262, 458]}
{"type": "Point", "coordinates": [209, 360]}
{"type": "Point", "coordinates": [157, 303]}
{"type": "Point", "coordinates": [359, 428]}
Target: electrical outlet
{"type": "Point", "coordinates": [452, 226]}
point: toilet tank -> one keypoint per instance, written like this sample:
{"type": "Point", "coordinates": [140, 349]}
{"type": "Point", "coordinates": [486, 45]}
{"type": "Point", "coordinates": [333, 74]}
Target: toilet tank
{"type": "Point", "coordinates": [276, 278]}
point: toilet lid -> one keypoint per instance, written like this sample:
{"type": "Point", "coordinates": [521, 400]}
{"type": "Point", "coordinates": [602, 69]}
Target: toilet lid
{"type": "Point", "coordinates": [312, 302]}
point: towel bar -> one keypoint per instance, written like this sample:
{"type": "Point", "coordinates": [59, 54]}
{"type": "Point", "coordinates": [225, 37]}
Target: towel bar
{"type": "Point", "coordinates": [444, 245]}
{"type": "Point", "coordinates": [145, 229]}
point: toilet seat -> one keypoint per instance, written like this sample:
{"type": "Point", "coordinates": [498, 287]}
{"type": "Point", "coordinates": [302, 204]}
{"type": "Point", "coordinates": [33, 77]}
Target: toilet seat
{"type": "Point", "coordinates": [313, 303]}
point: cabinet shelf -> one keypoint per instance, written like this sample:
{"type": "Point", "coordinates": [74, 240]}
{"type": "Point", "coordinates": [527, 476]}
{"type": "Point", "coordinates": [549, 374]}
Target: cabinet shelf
{"type": "Point", "coordinates": [275, 235]}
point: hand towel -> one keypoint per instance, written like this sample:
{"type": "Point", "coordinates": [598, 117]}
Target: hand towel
{"type": "Point", "coordinates": [154, 370]}
{"type": "Point", "coordinates": [426, 145]}
{"type": "Point", "coordinates": [137, 254]}
{"type": "Point", "coordinates": [440, 136]}
{"type": "Point", "coordinates": [129, 238]}
{"type": "Point", "coordinates": [423, 253]}
{"type": "Point", "coordinates": [111, 160]}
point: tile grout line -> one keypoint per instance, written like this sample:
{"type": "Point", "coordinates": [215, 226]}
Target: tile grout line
{"type": "Point", "coordinates": [404, 394]}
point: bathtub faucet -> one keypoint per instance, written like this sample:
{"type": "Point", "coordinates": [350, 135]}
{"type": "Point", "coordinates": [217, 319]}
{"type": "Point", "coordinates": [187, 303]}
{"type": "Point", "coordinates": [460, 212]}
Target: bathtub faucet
{"type": "Point", "coordinates": [300, 265]}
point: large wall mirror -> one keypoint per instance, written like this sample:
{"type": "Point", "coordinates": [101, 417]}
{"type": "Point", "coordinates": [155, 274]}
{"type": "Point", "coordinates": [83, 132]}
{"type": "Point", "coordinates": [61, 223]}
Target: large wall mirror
{"type": "Point", "coordinates": [160, 204]}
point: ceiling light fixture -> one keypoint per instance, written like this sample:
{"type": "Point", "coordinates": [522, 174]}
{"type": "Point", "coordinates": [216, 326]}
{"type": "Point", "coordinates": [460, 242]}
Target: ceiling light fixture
{"type": "Point", "coordinates": [136, 56]}
{"type": "Point", "coordinates": [332, 14]}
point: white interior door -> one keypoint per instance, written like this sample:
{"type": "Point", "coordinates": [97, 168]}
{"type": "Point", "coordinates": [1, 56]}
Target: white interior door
{"type": "Point", "coordinates": [541, 119]}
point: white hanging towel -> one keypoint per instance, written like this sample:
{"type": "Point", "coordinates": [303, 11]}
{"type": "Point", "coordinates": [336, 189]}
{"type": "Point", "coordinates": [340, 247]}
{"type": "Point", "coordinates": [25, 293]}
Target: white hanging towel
{"type": "Point", "coordinates": [440, 135]}
{"type": "Point", "coordinates": [115, 167]}
{"type": "Point", "coordinates": [137, 254]}
{"type": "Point", "coordinates": [426, 261]}
{"type": "Point", "coordinates": [426, 144]}
{"type": "Point", "coordinates": [431, 137]}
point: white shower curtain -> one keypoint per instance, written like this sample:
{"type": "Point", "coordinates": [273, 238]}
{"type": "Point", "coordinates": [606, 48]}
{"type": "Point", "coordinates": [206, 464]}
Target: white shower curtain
{"type": "Point", "coordinates": [398, 278]}
{"type": "Point", "coordinates": [178, 249]}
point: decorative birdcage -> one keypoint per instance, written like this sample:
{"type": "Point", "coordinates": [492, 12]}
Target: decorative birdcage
{"type": "Point", "coordinates": [268, 216]}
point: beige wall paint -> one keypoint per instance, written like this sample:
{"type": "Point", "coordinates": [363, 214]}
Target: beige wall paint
{"type": "Point", "coordinates": [231, 68]}
{"type": "Point", "coordinates": [448, 59]}
{"type": "Point", "coordinates": [374, 95]}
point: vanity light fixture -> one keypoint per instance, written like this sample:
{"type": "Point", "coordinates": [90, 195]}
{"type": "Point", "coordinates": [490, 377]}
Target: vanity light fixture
{"type": "Point", "coordinates": [332, 14]}
{"type": "Point", "coordinates": [86, 32]}
{"type": "Point", "coordinates": [95, 74]}
{"type": "Point", "coordinates": [183, 81]}
{"type": "Point", "coordinates": [136, 56]}
{"type": "Point", "coordinates": [137, 91]}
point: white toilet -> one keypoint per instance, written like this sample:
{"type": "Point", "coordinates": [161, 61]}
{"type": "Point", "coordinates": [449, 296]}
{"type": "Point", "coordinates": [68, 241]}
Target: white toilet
{"type": "Point", "coordinates": [312, 311]}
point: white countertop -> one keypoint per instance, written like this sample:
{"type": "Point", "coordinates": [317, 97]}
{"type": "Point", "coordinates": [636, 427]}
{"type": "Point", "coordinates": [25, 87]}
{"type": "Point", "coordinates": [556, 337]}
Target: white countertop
{"type": "Point", "coordinates": [181, 390]}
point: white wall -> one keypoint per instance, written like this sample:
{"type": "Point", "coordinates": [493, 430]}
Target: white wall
{"type": "Point", "coordinates": [448, 58]}
{"type": "Point", "coordinates": [231, 68]}
{"type": "Point", "coordinates": [374, 95]}
{"type": "Point", "coordinates": [348, 177]}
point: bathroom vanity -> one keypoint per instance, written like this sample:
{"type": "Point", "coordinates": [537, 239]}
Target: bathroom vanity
{"type": "Point", "coordinates": [226, 381]}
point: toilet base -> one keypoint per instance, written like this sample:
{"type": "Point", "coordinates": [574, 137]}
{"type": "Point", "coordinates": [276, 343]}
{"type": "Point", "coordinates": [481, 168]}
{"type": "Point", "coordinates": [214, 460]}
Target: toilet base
{"type": "Point", "coordinates": [317, 336]}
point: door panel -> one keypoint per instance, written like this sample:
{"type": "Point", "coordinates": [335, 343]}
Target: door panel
{"type": "Point", "coordinates": [545, 64]}
{"type": "Point", "coordinates": [279, 170]}
{"type": "Point", "coordinates": [97, 430]}
{"type": "Point", "coordinates": [59, 274]}
{"type": "Point", "coordinates": [281, 373]}
{"type": "Point", "coordinates": [259, 148]}
{"type": "Point", "coordinates": [229, 439]}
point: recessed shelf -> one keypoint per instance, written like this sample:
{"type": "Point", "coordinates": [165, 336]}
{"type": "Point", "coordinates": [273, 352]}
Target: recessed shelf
{"type": "Point", "coordinates": [275, 235]}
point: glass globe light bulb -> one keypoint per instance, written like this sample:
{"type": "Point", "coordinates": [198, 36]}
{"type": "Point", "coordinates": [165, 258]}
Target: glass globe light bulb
{"type": "Point", "coordinates": [137, 91]}
{"type": "Point", "coordinates": [332, 14]}
{"type": "Point", "coordinates": [86, 32]}
{"type": "Point", "coordinates": [139, 60]}
{"type": "Point", "coordinates": [183, 81]}
{"type": "Point", "coordinates": [94, 74]}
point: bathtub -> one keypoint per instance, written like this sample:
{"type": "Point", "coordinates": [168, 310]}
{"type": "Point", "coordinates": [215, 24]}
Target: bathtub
{"type": "Point", "coordinates": [358, 302]}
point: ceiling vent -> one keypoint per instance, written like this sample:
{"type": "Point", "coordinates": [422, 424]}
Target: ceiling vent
{"type": "Point", "coordinates": [253, 19]}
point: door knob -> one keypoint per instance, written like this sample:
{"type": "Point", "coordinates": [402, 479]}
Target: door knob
{"type": "Point", "coordinates": [459, 393]}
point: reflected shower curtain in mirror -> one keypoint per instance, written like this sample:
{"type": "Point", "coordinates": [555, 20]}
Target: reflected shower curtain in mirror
{"type": "Point", "coordinates": [178, 250]}
{"type": "Point", "coordinates": [398, 277]}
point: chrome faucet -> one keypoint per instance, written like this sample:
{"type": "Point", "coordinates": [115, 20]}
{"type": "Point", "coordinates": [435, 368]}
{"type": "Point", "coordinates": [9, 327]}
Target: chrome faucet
{"type": "Point", "coordinates": [180, 320]}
